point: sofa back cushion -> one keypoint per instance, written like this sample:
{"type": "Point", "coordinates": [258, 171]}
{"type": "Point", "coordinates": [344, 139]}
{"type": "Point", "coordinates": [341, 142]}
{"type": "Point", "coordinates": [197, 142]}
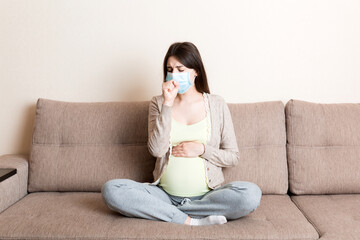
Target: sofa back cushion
{"type": "Point", "coordinates": [323, 147]}
{"type": "Point", "coordinates": [79, 146]}
{"type": "Point", "coordinates": [261, 138]}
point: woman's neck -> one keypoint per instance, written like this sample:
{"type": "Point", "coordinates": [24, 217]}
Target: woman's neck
{"type": "Point", "coordinates": [189, 96]}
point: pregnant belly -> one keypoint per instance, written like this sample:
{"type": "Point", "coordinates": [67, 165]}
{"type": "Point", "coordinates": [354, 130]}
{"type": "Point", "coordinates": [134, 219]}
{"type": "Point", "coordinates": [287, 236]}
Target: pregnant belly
{"type": "Point", "coordinates": [185, 177]}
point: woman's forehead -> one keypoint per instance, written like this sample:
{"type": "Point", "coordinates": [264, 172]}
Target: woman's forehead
{"type": "Point", "coordinates": [173, 62]}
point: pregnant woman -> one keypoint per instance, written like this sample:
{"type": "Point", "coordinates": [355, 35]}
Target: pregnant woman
{"type": "Point", "coordinates": [191, 134]}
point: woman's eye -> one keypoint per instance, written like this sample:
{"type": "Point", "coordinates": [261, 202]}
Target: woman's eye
{"type": "Point", "coordinates": [181, 70]}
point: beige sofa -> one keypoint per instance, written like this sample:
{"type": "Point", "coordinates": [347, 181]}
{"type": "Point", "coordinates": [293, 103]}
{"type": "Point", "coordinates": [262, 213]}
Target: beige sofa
{"type": "Point", "coordinates": [304, 156]}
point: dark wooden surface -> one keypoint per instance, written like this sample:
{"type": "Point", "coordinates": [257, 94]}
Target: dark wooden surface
{"type": "Point", "coordinates": [6, 173]}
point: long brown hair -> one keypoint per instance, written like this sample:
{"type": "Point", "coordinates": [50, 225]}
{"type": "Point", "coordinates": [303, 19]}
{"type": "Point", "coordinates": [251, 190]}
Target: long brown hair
{"type": "Point", "coordinates": [188, 54]}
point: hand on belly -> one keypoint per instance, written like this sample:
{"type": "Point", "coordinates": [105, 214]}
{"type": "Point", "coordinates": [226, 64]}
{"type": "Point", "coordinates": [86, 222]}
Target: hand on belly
{"type": "Point", "coordinates": [188, 149]}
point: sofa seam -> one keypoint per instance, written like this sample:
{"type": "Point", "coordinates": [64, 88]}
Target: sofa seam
{"type": "Point", "coordinates": [327, 146]}
{"type": "Point", "coordinates": [137, 238]}
{"type": "Point", "coordinates": [260, 146]}
{"type": "Point", "coordinates": [87, 144]}
{"type": "Point", "coordinates": [307, 217]}
{"type": "Point", "coordinates": [135, 144]}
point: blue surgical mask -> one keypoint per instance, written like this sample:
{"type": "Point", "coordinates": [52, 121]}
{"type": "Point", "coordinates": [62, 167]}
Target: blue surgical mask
{"type": "Point", "coordinates": [183, 78]}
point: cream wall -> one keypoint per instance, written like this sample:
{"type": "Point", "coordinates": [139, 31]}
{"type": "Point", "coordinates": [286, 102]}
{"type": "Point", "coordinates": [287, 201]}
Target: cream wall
{"type": "Point", "coordinates": [113, 51]}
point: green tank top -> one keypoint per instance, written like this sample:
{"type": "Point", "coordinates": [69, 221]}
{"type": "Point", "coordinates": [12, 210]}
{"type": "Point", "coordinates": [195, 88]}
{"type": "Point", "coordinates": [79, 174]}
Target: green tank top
{"type": "Point", "coordinates": [186, 177]}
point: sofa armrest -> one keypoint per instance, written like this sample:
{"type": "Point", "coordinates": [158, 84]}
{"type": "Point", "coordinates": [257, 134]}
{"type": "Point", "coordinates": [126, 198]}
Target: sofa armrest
{"type": "Point", "coordinates": [15, 187]}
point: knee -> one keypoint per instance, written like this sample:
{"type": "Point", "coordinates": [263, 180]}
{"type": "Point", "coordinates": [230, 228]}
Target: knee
{"type": "Point", "coordinates": [251, 193]}
{"type": "Point", "coordinates": [250, 196]}
{"type": "Point", "coordinates": [112, 188]}
{"type": "Point", "coordinates": [254, 196]}
{"type": "Point", "coordinates": [118, 183]}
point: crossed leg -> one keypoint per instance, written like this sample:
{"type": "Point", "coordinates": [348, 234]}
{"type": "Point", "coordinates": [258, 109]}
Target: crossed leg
{"type": "Point", "coordinates": [233, 200]}
{"type": "Point", "coordinates": [134, 199]}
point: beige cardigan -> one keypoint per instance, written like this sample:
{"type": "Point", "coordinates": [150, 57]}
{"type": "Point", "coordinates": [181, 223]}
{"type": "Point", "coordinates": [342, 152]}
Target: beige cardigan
{"type": "Point", "coordinates": [221, 150]}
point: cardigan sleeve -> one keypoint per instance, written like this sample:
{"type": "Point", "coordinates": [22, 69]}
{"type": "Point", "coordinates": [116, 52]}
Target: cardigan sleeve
{"type": "Point", "coordinates": [159, 127]}
{"type": "Point", "coordinates": [227, 155]}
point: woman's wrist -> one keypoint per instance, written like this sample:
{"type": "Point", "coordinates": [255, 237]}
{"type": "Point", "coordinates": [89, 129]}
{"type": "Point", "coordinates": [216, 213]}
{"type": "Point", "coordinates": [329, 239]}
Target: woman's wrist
{"type": "Point", "coordinates": [169, 104]}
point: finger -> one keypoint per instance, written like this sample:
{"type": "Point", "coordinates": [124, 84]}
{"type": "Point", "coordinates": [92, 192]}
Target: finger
{"type": "Point", "coordinates": [177, 152]}
{"type": "Point", "coordinates": [181, 152]}
{"type": "Point", "coordinates": [168, 84]}
{"type": "Point", "coordinates": [169, 88]}
{"type": "Point", "coordinates": [179, 155]}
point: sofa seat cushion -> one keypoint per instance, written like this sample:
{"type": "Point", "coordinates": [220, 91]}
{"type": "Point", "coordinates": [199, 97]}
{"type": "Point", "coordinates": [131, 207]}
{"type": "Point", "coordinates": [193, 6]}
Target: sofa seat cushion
{"type": "Point", "coordinates": [334, 216]}
{"type": "Point", "coordinates": [83, 215]}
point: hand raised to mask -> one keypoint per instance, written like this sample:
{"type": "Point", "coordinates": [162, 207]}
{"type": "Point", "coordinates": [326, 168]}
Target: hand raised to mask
{"type": "Point", "coordinates": [188, 149]}
{"type": "Point", "coordinates": [170, 90]}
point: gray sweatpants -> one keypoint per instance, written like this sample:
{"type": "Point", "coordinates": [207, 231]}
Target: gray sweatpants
{"type": "Point", "coordinates": [134, 199]}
